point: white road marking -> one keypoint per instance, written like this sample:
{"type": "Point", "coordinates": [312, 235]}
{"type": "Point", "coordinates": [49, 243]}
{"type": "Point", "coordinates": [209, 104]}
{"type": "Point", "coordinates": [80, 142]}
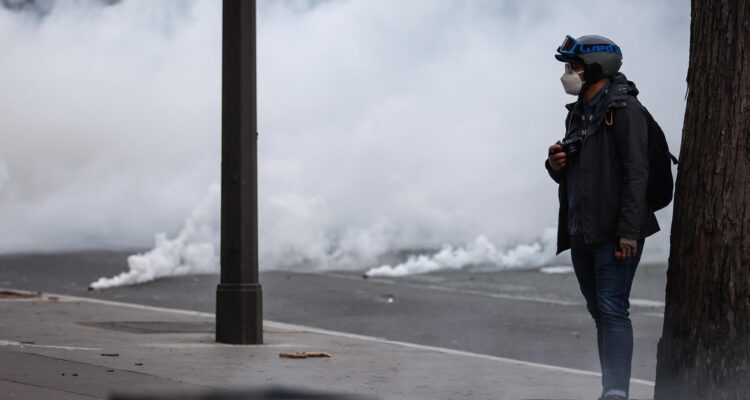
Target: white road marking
{"type": "Point", "coordinates": [8, 343]}
{"type": "Point", "coordinates": [462, 291]}
{"type": "Point", "coordinates": [646, 303]}
{"type": "Point", "coordinates": [634, 301]}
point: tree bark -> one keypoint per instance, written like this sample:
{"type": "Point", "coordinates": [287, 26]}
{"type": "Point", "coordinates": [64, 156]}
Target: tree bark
{"type": "Point", "coordinates": [704, 350]}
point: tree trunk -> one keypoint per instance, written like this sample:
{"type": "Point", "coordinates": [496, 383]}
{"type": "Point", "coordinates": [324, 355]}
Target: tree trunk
{"type": "Point", "coordinates": [704, 350]}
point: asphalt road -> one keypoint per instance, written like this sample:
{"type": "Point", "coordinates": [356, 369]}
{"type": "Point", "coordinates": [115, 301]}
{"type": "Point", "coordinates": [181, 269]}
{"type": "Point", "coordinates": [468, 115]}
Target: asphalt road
{"type": "Point", "coordinates": [525, 315]}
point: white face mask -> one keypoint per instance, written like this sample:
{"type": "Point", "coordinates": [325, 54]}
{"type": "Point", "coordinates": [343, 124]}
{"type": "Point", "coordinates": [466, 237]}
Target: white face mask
{"type": "Point", "coordinates": [572, 83]}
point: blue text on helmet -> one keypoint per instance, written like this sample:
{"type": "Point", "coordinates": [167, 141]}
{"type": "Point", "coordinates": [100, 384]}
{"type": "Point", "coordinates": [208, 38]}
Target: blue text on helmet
{"type": "Point", "coordinates": [599, 48]}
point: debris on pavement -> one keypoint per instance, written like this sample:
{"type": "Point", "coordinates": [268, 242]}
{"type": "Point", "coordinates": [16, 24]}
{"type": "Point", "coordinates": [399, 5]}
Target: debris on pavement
{"type": "Point", "coordinates": [110, 354]}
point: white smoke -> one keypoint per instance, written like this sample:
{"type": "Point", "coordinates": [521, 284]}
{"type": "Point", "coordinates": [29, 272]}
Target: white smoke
{"type": "Point", "coordinates": [383, 125]}
{"type": "Point", "coordinates": [109, 122]}
{"type": "Point", "coordinates": [479, 252]}
{"type": "Point", "coordinates": [193, 251]}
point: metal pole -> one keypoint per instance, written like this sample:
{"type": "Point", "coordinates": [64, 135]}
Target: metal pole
{"type": "Point", "coordinates": [239, 308]}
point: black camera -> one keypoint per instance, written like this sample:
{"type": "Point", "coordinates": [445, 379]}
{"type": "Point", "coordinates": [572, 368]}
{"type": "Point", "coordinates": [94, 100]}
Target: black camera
{"type": "Point", "coordinates": [570, 145]}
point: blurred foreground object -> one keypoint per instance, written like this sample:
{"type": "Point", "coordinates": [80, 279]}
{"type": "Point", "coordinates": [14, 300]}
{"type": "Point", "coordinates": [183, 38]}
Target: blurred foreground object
{"type": "Point", "coordinates": [305, 354]}
{"type": "Point", "coordinates": [262, 394]}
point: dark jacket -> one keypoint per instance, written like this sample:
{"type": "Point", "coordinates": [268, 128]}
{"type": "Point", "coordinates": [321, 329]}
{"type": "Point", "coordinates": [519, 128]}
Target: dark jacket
{"type": "Point", "coordinates": [613, 170]}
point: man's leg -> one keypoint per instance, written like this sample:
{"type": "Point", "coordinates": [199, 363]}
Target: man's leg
{"type": "Point", "coordinates": [584, 265]}
{"type": "Point", "coordinates": [614, 279]}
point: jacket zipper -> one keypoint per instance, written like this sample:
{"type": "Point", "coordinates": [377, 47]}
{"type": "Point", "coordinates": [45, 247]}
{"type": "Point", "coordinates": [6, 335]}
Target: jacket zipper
{"type": "Point", "coordinates": [586, 122]}
{"type": "Point", "coordinates": [587, 118]}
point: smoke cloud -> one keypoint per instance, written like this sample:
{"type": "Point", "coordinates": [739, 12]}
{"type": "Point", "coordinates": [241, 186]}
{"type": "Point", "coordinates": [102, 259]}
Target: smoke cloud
{"type": "Point", "coordinates": [383, 126]}
{"type": "Point", "coordinates": [478, 253]}
{"type": "Point", "coordinates": [193, 251]}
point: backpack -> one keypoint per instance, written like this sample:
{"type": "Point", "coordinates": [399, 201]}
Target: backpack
{"type": "Point", "coordinates": [660, 181]}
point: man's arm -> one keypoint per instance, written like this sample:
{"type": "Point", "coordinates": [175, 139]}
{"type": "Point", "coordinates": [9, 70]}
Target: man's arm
{"type": "Point", "coordinates": [555, 175]}
{"type": "Point", "coordinates": [631, 134]}
{"type": "Point", "coordinates": [555, 162]}
{"type": "Point", "coordinates": [557, 157]}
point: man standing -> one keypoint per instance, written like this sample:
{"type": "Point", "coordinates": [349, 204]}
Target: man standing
{"type": "Point", "coordinates": [602, 168]}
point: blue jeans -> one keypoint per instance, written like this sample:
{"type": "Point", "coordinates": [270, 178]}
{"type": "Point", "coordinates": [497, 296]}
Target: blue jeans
{"type": "Point", "coordinates": [605, 283]}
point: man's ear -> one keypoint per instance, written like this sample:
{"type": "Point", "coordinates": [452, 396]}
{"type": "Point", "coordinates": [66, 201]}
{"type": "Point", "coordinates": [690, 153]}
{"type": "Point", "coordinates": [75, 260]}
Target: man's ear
{"type": "Point", "coordinates": [594, 70]}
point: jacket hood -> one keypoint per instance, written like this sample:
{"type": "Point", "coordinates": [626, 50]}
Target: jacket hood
{"type": "Point", "coordinates": [622, 85]}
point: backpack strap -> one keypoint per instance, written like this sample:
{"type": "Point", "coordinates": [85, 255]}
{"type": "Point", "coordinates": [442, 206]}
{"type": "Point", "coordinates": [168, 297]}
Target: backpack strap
{"type": "Point", "coordinates": [609, 120]}
{"type": "Point", "coordinates": [651, 120]}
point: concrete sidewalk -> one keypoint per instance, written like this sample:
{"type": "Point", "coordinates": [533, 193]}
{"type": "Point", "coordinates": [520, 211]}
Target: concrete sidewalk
{"type": "Point", "coordinates": [59, 347]}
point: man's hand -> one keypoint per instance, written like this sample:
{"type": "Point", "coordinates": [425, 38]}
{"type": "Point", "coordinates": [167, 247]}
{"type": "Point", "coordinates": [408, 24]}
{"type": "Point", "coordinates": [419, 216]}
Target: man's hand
{"type": "Point", "coordinates": [628, 248]}
{"type": "Point", "coordinates": [556, 157]}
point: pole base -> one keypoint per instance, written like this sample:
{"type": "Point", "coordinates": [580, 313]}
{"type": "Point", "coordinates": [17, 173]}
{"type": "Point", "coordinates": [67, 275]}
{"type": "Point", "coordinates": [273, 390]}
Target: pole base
{"type": "Point", "coordinates": [239, 313]}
